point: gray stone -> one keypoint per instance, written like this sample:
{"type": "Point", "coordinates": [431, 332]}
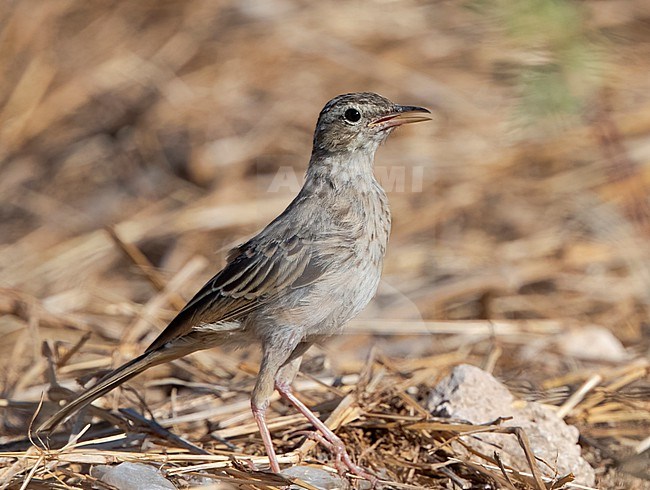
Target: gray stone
{"type": "Point", "coordinates": [589, 343]}
{"type": "Point", "coordinates": [132, 476]}
{"type": "Point", "coordinates": [593, 342]}
{"type": "Point", "coordinates": [475, 396]}
{"type": "Point", "coordinates": [321, 479]}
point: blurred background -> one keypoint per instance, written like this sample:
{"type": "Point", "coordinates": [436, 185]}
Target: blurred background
{"type": "Point", "coordinates": [140, 140]}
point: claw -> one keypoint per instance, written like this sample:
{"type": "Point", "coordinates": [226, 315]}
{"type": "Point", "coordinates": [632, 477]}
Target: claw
{"type": "Point", "coordinates": [327, 438]}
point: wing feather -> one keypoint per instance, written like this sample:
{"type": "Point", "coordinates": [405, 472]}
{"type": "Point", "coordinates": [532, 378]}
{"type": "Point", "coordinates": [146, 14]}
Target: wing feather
{"type": "Point", "coordinates": [256, 273]}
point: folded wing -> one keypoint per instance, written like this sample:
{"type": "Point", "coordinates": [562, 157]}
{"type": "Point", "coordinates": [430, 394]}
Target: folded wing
{"type": "Point", "coordinates": [256, 272]}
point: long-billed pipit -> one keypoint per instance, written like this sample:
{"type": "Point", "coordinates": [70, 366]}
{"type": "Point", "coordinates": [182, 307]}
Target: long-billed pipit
{"type": "Point", "coordinates": [302, 277]}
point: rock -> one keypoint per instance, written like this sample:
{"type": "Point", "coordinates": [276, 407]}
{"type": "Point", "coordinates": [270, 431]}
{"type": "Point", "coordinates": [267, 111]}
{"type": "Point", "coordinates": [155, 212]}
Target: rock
{"type": "Point", "coordinates": [593, 343]}
{"type": "Point", "coordinates": [321, 479]}
{"type": "Point", "coordinates": [590, 343]}
{"type": "Point", "coordinates": [132, 476]}
{"type": "Point", "coordinates": [474, 395]}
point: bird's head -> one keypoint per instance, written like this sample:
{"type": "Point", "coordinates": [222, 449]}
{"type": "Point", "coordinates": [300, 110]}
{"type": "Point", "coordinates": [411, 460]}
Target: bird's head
{"type": "Point", "coordinates": [361, 122]}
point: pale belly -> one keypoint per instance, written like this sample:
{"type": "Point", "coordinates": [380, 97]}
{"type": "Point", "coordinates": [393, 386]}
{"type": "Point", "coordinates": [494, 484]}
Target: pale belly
{"type": "Point", "coordinates": [343, 299]}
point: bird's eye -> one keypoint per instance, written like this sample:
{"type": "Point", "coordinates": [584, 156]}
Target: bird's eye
{"type": "Point", "coordinates": [352, 115]}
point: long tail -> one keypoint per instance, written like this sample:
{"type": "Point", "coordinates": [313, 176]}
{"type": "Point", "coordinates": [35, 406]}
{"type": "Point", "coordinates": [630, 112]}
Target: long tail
{"type": "Point", "coordinates": [107, 383]}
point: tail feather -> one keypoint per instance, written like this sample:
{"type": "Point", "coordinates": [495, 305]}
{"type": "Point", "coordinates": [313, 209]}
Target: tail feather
{"type": "Point", "coordinates": [106, 384]}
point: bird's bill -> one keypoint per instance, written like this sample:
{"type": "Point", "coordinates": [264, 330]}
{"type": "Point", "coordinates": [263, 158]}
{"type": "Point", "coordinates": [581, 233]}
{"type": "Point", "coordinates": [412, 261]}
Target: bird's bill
{"type": "Point", "coordinates": [403, 115]}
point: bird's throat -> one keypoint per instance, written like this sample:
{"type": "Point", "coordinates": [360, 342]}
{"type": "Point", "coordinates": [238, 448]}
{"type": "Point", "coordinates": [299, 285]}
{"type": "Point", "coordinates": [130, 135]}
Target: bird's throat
{"type": "Point", "coordinates": [343, 170]}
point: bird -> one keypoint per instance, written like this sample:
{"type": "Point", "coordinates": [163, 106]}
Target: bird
{"type": "Point", "coordinates": [300, 279]}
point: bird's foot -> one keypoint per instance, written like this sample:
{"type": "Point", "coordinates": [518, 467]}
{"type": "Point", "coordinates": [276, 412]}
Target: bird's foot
{"type": "Point", "coordinates": [342, 461]}
{"type": "Point", "coordinates": [246, 465]}
{"type": "Point", "coordinates": [327, 438]}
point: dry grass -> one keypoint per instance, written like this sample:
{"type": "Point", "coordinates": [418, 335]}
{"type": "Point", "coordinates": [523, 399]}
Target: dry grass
{"type": "Point", "coordinates": [139, 141]}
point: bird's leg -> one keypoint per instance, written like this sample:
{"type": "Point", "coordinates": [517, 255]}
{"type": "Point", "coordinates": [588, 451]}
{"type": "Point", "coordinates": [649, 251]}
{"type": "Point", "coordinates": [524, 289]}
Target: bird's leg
{"type": "Point", "coordinates": [329, 439]}
{"type": "Point", "coordinates": [338, 461]}
{"type": "Point", "coordinates": [271, 363]}
{"type": "Point", "coordinates": [259, 414]}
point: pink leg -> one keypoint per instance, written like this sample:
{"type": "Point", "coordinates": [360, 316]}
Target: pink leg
{"type": "Point", "coordinates": [338, 462]}
{"type": "Point", "coordinates": [270, 366]}
{"type": "Point", "coordinates": [259, 413]}
{"type": "Point", "coordinates": [335, 443]}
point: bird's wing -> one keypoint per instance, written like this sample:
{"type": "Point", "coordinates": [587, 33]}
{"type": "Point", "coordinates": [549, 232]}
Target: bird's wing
{"type": "Point", "coordinates": [256, 272]}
